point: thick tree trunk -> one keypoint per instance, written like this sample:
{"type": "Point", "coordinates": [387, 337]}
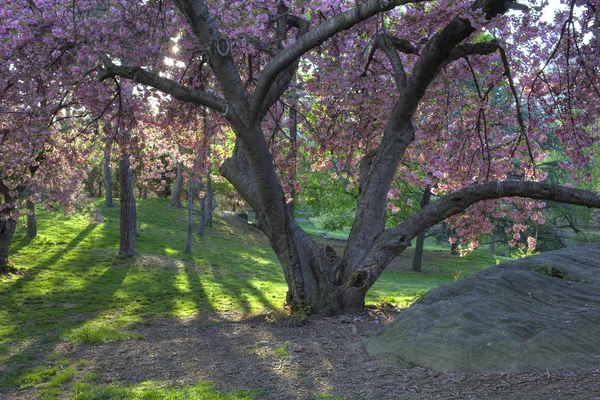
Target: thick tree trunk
{"type": "Point", "coordinates": [417, 264]}
{"type": "Point", "coordinates": [108, 202]}
{"type": "Point", "coordinates": [190, 211]}
{"type": "Point", "coordinates": [31, 221]}
{"type": "Point", "coordinates": [178, 188]}
{"type": "Point", "coordinates": [128, 210]}
{"type": "Point", "coordinates": [7, 231]}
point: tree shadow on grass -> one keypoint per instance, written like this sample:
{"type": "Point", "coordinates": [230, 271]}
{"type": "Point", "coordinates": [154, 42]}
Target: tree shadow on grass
{"type": "Point", "coordinates": [38, 315]}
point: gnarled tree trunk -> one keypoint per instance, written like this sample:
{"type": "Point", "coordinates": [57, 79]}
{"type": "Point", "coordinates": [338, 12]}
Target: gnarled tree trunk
{"type": "Point", "coordinates": [318, 277]}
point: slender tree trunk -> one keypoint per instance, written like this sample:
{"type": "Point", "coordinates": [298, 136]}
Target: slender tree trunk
{"type": "Point", "coordinates": [190, 210]}
{"type": "Point", "coordinates": [7, 231]}
{"type": "Point", "coordinates": [31, 221]}
{"type": "Point", "coordinates": [145, 192]}
{"type": "Point", "coordinates": [108, 202]}
{"type": "Point", "coordinates": [493, 241]}
{"type": "Point", "coordinates": [454, 247]}
{"type": "Point", "coordinates": [417, 265]}
{"type": "Point", "coordinates": [203, 213]}
{"type": "Point", "coordinates": [178, 188]}
{"type": "Point", "coordinates": [208, 214]}
{"type": "Point", "coordinates": [128, 210]}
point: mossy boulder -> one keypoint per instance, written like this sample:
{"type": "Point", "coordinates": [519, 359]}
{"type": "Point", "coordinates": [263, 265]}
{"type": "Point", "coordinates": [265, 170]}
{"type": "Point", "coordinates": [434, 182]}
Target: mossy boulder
{"type": "Point", "coordinates": [537, 314]}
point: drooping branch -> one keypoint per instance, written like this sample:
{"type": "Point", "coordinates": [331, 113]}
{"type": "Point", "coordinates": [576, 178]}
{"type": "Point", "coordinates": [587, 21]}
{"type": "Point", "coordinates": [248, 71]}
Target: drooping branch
{"type": "Point", "coordinates": [394, 240]}
{"type": "Point", "coordinates": [177, 90]}
{"type": "Point", "coordinates": [314, 38]}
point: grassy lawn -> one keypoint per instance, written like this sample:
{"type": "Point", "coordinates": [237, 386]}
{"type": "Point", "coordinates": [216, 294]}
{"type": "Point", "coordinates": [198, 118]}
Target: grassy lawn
{"type": "Point", "coordinates": [72, 288]}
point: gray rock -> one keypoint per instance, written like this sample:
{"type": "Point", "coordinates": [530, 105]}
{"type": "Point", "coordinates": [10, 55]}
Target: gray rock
{"type": "Point", "coordinates": [536, 314]}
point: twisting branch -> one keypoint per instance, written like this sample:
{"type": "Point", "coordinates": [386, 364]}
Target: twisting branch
{"type": "Point", "coordinates": [390, 46]}
{"type": "Point", "coordinates": [314, 38]}
{"type": "Point", "coordinates": [177, 90]}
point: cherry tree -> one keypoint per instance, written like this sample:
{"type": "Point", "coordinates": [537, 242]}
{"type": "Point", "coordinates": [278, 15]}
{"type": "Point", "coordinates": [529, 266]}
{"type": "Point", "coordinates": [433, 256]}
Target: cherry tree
{"type": "Point", "coordinates": [455, 96]}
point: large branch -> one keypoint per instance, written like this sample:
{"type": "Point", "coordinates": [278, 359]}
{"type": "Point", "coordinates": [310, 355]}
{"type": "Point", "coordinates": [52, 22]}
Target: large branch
{"type": "Point", "coordinates": [440, 49]}
{"type": "Point", "coordinates": [168, 86]}
{"type": "Point", "coordinates": [314, 38]}
{"type": "Point", "coordinates": [470, 49]}
{"type": "Point", "coordinates": [394, 240]}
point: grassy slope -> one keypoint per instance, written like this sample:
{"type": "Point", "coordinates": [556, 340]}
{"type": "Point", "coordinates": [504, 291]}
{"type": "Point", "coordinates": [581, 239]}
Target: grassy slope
{"type": "Point", "coordinates": [72, 287]}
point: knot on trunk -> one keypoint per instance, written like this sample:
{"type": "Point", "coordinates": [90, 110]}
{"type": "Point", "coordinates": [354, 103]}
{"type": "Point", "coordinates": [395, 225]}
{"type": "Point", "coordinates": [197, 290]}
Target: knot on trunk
{"type": "Point", "coordinates": [358, 280]}
{"type": "Point", "coordinates": [331, 254]}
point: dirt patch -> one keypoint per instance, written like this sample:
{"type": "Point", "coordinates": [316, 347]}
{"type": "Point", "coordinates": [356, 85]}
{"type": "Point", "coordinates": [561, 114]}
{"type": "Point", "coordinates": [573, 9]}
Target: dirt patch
{"type": "Point", "coordinates": [326, 355]}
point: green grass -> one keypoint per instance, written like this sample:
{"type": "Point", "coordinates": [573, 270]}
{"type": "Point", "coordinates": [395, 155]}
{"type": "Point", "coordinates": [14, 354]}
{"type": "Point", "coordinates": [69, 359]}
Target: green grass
{"type": "Point", "coordinates": [71, 287]}
{"type": "Point", "coordinates": [311, 229]}
{"type": "Point", "coordinates": [156, 390]}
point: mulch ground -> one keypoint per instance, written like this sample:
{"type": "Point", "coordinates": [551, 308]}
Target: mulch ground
{"type": "Point", "coordinates": [326, 355]}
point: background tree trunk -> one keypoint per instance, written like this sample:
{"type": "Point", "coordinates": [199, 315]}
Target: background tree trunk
{"type": "Point", "coordinates": [178, 188]}
{"type": "Point", "coordinates": [190, 211]}
{"type": "Point", "coordinates": [108, 202]}
{"type": "Point", "coordinates": [203, 212]}
{"type": "Point", "coordinates": [417, 265]}
{"type": "Point", "coordinates": [128, 210]}
{"type": "Point", "coordinates": [31, 221]}
{"type": "Point", "coordinates": [7, 231]}
{"type": "Point", "coordinates": [208, 214]}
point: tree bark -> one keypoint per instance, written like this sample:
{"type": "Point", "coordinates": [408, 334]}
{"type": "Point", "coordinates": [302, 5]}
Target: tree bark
{"type": "Point", "coordinates": [31, 221]}
{"type": "Point", "coordinates": [208, 214]}
{"type": "Point", "coordinates": [203, 214]}
{"type": "Point", "coordinates": [417, 265]}
{"type": "Point", "coordinates": [128, 208]}
{"type": "Point", "coordinates": [178, 188]}
{"type": "Point", "coordinates": [108, 202]}
{"type": "Point", "coordinates": [7, 231]}
{"type": "Point", "coordinates": [190, 211]}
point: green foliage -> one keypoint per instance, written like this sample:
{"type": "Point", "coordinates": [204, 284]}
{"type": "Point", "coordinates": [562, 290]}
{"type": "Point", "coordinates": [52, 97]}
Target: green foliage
{"type": "Point", "coordinates": [522, 253]}
{"type": "Point", "coordinates": [333, 221]}
{"type": "Point", "coordinates": [156, 390]}
{"type": "Point", "coordinates": [550, 271]}
{"type": "Point", "coordinates": [588, 237]}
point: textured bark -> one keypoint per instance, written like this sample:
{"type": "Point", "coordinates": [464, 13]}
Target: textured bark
{"type": "Point", "coordinates": [128, 210]}
{"type": "Point", "coordinates": [7, 231]}
{"type": "Point", "coordinates": [108, 202]}
{"type": "Point", "coordinates": [31, 221]}
{"type": "Point", "coordinates": [178, 187]}
{"type": "Point", "coordinates": [417, 264]}
{"type": "Point", "coordinates": [190, 211]}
